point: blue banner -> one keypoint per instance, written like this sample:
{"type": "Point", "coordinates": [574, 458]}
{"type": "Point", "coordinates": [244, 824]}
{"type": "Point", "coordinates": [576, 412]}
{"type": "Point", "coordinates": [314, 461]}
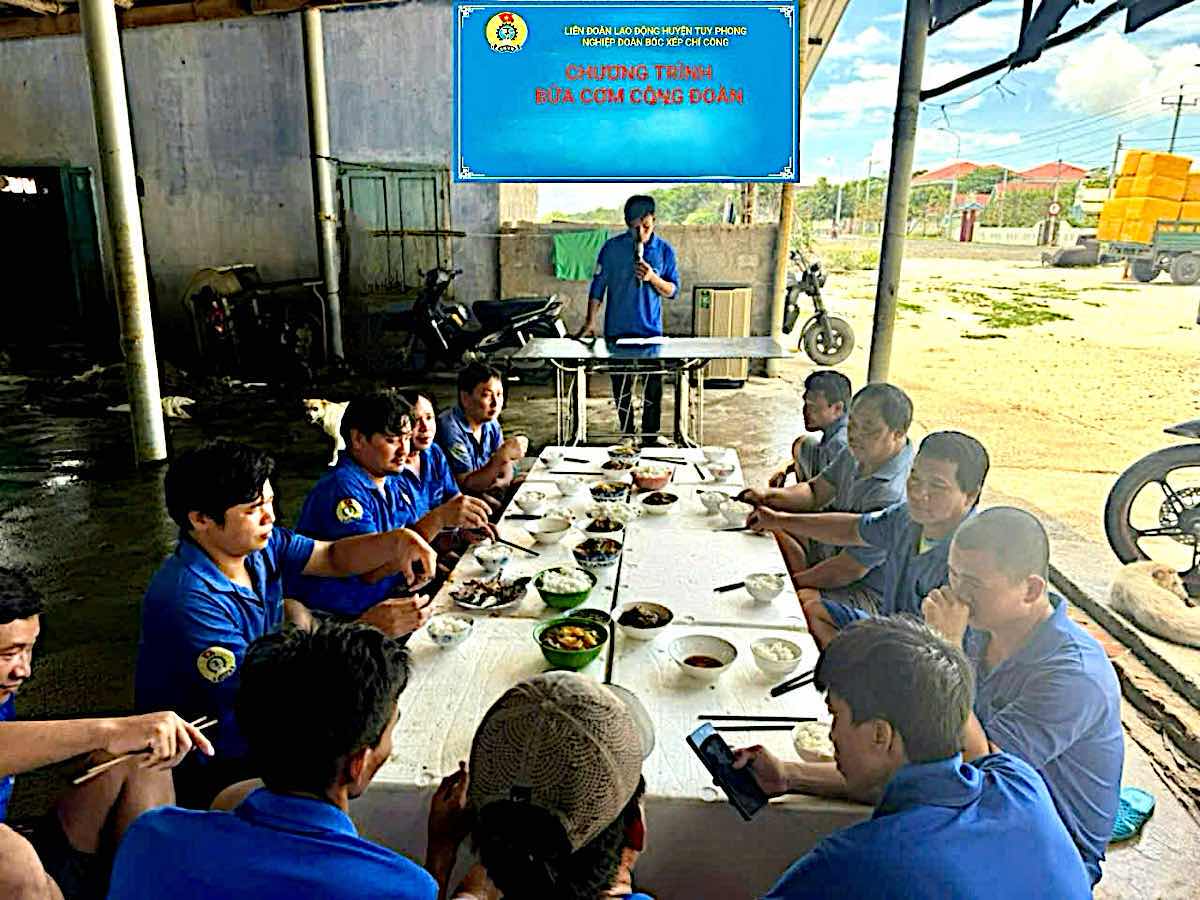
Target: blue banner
{"type": "Point", "coordinates": [626, 91]}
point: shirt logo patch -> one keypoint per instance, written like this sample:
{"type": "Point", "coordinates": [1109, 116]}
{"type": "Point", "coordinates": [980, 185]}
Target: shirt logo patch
{"type": "Point", "coordinates": [599, 269]}
{"type": "Point", "coordinates": [216, 664]}
{"type": "Point", "coordinates": [348, 510]}
{"type": "Point", "coordinates": [460, 452]}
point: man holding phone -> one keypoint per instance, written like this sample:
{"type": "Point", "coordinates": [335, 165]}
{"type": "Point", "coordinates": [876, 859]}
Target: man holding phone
{"type": "Point", "coordinates": [900, 696]}
{"type": "Point", "coordinates": [636, 271]}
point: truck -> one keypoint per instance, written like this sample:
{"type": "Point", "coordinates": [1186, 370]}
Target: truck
{"type": "Point", "coordinates": [1174, 248]}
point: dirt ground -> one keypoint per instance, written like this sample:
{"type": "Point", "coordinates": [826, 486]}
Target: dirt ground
{"type": "Point", "coordinates": [1063, 406]}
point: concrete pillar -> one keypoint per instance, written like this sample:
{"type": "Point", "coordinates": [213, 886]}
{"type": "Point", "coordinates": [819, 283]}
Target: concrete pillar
{"type": "Point", "coordinates": [323, 173]}
{"type": "Point", "coordinates": [98, 22]}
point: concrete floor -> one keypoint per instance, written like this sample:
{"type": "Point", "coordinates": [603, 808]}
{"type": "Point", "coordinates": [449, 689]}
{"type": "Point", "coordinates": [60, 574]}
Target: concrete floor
{"type": "Point", "coordinates": [91, 530]}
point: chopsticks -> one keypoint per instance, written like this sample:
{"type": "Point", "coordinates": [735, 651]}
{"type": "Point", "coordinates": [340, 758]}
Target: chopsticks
{"type": "Point", "coordinates": [576, 459]}
{"type": "Point", "coordinates": [200, 724]}
{"type": "Point", "coordinates": [674, 462]}
{"type": "Point", "coordinates": [755, 727]}
{"type": "Point", "coordinates": [500, 540]}
{"type": "Point", "coordinates": [757, 718]}
{"type": "Point", "coordinates": [700, 471]}
{"type": "Point", "coordinates": [527, 517]}
{"type": "Point", "coordinates": [726, 588]}
{"type": "Point", "coordinates": [743, 528]}
{"type": "Point", "coordinates": [574, 472]}
{"type": "Point", "coordinates": [801, 680]}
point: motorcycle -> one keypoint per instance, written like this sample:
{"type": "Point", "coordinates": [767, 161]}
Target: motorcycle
{"type": "Point", "coordinates": [447, 335]}
{"type": "Point", "coordinates": [826, 339]}
{"type": "Point", "coordinates": [1153, 509]}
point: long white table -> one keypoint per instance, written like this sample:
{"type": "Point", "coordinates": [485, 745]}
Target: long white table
{"type": "Point", "coordinates": [698, 846]}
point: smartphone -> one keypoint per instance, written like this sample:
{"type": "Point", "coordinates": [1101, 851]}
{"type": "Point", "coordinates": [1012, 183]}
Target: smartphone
{"type": "Point", "coordinates": [739, 785]}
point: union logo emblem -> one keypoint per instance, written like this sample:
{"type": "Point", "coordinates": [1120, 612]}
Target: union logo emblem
{"type": "Point", "coordinates": [506, 32]}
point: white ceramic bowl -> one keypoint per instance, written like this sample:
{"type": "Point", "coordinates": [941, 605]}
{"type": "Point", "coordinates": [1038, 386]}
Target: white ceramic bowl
{"type": "Point", "coordinates": [552, 458]}
{"type": "Point", "coordinates": [445, 635]}
{"type": "Point", "coordinates": [624, 451]}
{"type": "Point", "coordinates": [712, 500]}
{"type": "Point", "coordinates": [713, 454]}
{"type": "Point", "coordinates": [813, 742]}
{"type": "Point", "coordinates": [703, 645]}
{"type": "Point", "coordinates": [642, 634]}
{"type": "Point", "coordinates": [736, 512]}
{"type": "Point", "coordinates": [768, 665]}
{"type": "Point", "coordinates": [765, 586]}
{"type": "Point", "coordinates": [568, 485]}
{"type": "Point", "coordinates": [549, 529]}
{"type": "Point", "coordinates": [720, 470]}
{"type": "Point", "coordinates": [492, 557]}
{"type": "Point", "coordinates": [663, 509]}
{"type": "Point", "coordinates": [531, 502]}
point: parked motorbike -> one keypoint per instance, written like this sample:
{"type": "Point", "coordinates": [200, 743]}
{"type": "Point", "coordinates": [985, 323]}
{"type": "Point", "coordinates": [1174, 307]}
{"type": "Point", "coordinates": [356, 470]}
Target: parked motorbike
{"type": "Point", "coordinates": [826, 339]}
{"type": "Point", "coordinates": [1153, 509]}
{"type": "Point", "coordinates": [447, 335]}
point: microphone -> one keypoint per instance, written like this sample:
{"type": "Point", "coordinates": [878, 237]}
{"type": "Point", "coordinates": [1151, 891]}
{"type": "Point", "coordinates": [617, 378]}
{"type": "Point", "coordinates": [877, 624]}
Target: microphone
{"type": "Point", "coordinates": [638, 250]}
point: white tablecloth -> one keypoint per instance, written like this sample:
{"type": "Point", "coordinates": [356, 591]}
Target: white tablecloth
{"type": "Point", "coordinates": [697, 846]}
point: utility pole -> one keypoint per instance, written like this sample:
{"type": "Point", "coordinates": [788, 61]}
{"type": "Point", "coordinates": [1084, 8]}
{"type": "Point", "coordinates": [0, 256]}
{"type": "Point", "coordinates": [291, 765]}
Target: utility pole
{"type": "Point", "coordinates": [1178, 103]}
{"type": "Point", "coordinates": [1003, 191]}
{"type": "Point", "coordinates": [895, 223]}
{"type": "Point", "coordinates": [837, 215]}
{"type": "Point", "coordinates": [867, 193]}
{"type": "Point", "coordinates": [1112, 172]}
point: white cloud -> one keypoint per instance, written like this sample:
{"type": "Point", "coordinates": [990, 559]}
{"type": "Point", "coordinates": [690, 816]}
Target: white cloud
{"type": "Point", "coordinates": [1112, 70]}
{"type": "Point", "coordinates": [866, 43]}
{"type": "Point", "coordinates": [871, 87]}
{"type": "Point", "coordinates": [977, 32]}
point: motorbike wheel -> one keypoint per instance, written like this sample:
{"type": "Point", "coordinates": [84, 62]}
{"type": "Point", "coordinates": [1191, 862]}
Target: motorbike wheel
{"type": "Point", "coordinates": [823, 354]}
{"type": "Point", "coordinates": [1143, 506]}
{"type": "Point", "coordinates": [1143, 270]}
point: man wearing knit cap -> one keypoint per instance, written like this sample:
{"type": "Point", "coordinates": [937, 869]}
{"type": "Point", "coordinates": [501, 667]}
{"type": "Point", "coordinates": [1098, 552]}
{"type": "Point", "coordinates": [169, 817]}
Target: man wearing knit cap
{"type": "Point", "coordinates": [554, 788]}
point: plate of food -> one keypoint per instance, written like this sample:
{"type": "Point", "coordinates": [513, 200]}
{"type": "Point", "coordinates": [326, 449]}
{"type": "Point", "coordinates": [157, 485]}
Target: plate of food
{"type": "Point", "coordinates": [622, 512]}
{"type": "Point", "coordinates": [489, 594]}
{"type": "Point", "coordinates": [617, 465]}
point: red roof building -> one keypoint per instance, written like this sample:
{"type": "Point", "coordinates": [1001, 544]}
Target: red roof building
{"type": "Point", "coordinates": [947, 172]}
{"type": "Point", "coordinates": [1052, 171]}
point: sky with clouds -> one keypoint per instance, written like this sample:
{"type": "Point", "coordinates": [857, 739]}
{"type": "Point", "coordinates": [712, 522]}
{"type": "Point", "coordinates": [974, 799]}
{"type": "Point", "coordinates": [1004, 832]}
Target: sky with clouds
{"type": "Point", "coordinates": [1072, 103]}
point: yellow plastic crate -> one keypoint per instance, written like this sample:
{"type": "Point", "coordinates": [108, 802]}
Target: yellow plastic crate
{"type": "Point", "coordinates": [1166, 164]}
{"type": "Point", "coordinates": [1137, 231]}
{"type": "Point", "coordinates": [1124, 187]}
{"type": "Point", "coordinates": [1150, 209]}
{"type": "Point", "coordinates": [1109, 229]}
{"type": "Point", "coordinates": [1114, 209]}
{"type": "Point", "coordinates": [1193, 187]}
{"type": "Point", "coordinates": [1129, 165]}
{"type": "Point", "coordinates": [1159, 186]}
{"type": "Point", "coordinates": [1190, 210]}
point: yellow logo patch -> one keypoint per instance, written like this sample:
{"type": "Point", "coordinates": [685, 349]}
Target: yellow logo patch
{"type": "Point", "coordinates": [216, 664]}
{"type": "Point", "coordinates": [348, 510]}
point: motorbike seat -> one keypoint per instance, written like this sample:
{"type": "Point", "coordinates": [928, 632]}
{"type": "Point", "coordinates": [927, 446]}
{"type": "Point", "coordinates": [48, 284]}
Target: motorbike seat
{"type": "Point", "coordinates": [493, 314]}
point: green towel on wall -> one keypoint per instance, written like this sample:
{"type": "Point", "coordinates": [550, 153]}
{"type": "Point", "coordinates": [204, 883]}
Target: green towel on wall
{"type": "Point", "coordinates": [575, 253]}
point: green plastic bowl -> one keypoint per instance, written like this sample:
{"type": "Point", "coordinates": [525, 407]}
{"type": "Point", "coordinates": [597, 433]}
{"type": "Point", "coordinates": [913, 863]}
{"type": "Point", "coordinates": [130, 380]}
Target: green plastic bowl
{"type": "Point", "coordinates": [564, 601]}
{"type": "Point", "coordinates": [571, 659]}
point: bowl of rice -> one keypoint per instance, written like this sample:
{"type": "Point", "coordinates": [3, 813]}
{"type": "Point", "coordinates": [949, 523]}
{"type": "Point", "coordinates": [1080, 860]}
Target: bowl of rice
{"type": "Point", "coordinates": [736, 512]}
{"type": "Point", "coordinates": [449, 629]}
{"type": "Point", "coordinates": [564, 587]}
{"type": "Point", "coordinates": [764, 587]}
{"type": "Point", "coordinates": [712, 500]}
{"type": "Point", "coordinates": [775, 657]}
{"type": "Point", "coordinates": [720, 470]}
{"type": "Point", "coordinates": [531, 502]}
{"type": "Point", "coordinates": [549, 529]}
{"type": "Point", "coordinates": [813, 742]}
{"type": "Point", "coordinates": [713, 454]}
{"type": "Point", "coordinates": [492, 557]}
{"type": "Point", "coordinates": [568, 485]}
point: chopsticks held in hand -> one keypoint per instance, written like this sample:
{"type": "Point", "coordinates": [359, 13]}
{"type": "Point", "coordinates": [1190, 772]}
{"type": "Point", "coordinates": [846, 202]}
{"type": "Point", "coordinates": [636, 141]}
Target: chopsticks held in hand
{"type": "Point", "coordinates": [801, 680]}
{"type": "Point", "coordinates": [500, 540]}
{"type": "Point", "coordinates": [200, 724]}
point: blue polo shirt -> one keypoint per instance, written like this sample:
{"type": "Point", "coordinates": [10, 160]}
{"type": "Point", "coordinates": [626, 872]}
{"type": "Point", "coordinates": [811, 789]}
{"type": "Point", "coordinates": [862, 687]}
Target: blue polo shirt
{"type": "Point", "coordinates": [1056, 704]}
{"type": "Point", "coordinates": [464, 452]}
{"type": "Point", "coordinates": [272, 847]}
{"type": "Point", "coordinates": [856, 493]}
{"type": "Point", "coordinates": [8, 711]}
{"type": "Point", "coordinates": [833, 441]}
{"type": "Point", "coordinates": [435, 485]}
{"type": "Point", "coordinates": [948, 829]}
{"type": "Point", "coordinates": [346, 502]}
{"type": "Point", "coordinates": [196, 626]}
{"type": "Point", "coordinates": [634, 308]}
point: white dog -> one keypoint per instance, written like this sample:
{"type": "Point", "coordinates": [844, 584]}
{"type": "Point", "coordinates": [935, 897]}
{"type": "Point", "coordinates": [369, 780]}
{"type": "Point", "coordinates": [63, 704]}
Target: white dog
{"type": "Point", "coordinates": [328, 415]}
{"type": "Point", "coordinates": [172, 407]}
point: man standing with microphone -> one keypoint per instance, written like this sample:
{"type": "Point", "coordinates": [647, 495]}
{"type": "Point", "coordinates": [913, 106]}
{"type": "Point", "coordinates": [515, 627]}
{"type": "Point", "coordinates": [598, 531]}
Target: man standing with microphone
{"type": "Point", "coordinates": [636, 270]}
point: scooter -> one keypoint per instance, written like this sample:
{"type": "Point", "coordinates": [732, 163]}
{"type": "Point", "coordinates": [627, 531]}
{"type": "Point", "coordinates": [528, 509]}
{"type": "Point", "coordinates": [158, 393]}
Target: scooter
{"type": "Point", "coordinates": [1149, 517]}
{"type": "Point", "coordinates": [448, 336]}
{"type": "Point", "coordinates": [826, 339]}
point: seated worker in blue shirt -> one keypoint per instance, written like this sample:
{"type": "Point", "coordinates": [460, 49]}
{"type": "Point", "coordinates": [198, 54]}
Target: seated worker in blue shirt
{"type": "Point", "coordinates": [899, 696]}
{"type": "Point", "coordinates": [482, 460]}
{"type": "Point", "coordinates": [637, 271]}
{"type": "Point", "coordinates": [867, 476]}
{"type": "Point", "coordinates": [826, 406]}
{"type": "Point", "coordinates": [542, 829]}
{"type": "Point", "coordinates": [223, 587]}
{"type": "Point", "coordinates": [66, 848]}
{"type": "Point", "coordinates": [1046, 690]}
{"type": "Point", "coordinates": [365, 493]}
{"type": "Point", "coordinates": [426, 470]}
{"type": "Point", "coordinates": [318, 709]}
{"type": "Point", "coordinates": [943, 488]}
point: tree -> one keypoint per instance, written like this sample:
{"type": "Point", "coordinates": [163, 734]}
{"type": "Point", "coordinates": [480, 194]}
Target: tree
{"type": "Point", "coordinates": [983, 179]}
{"type": "Point", "coordinates": [1018, 209]}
